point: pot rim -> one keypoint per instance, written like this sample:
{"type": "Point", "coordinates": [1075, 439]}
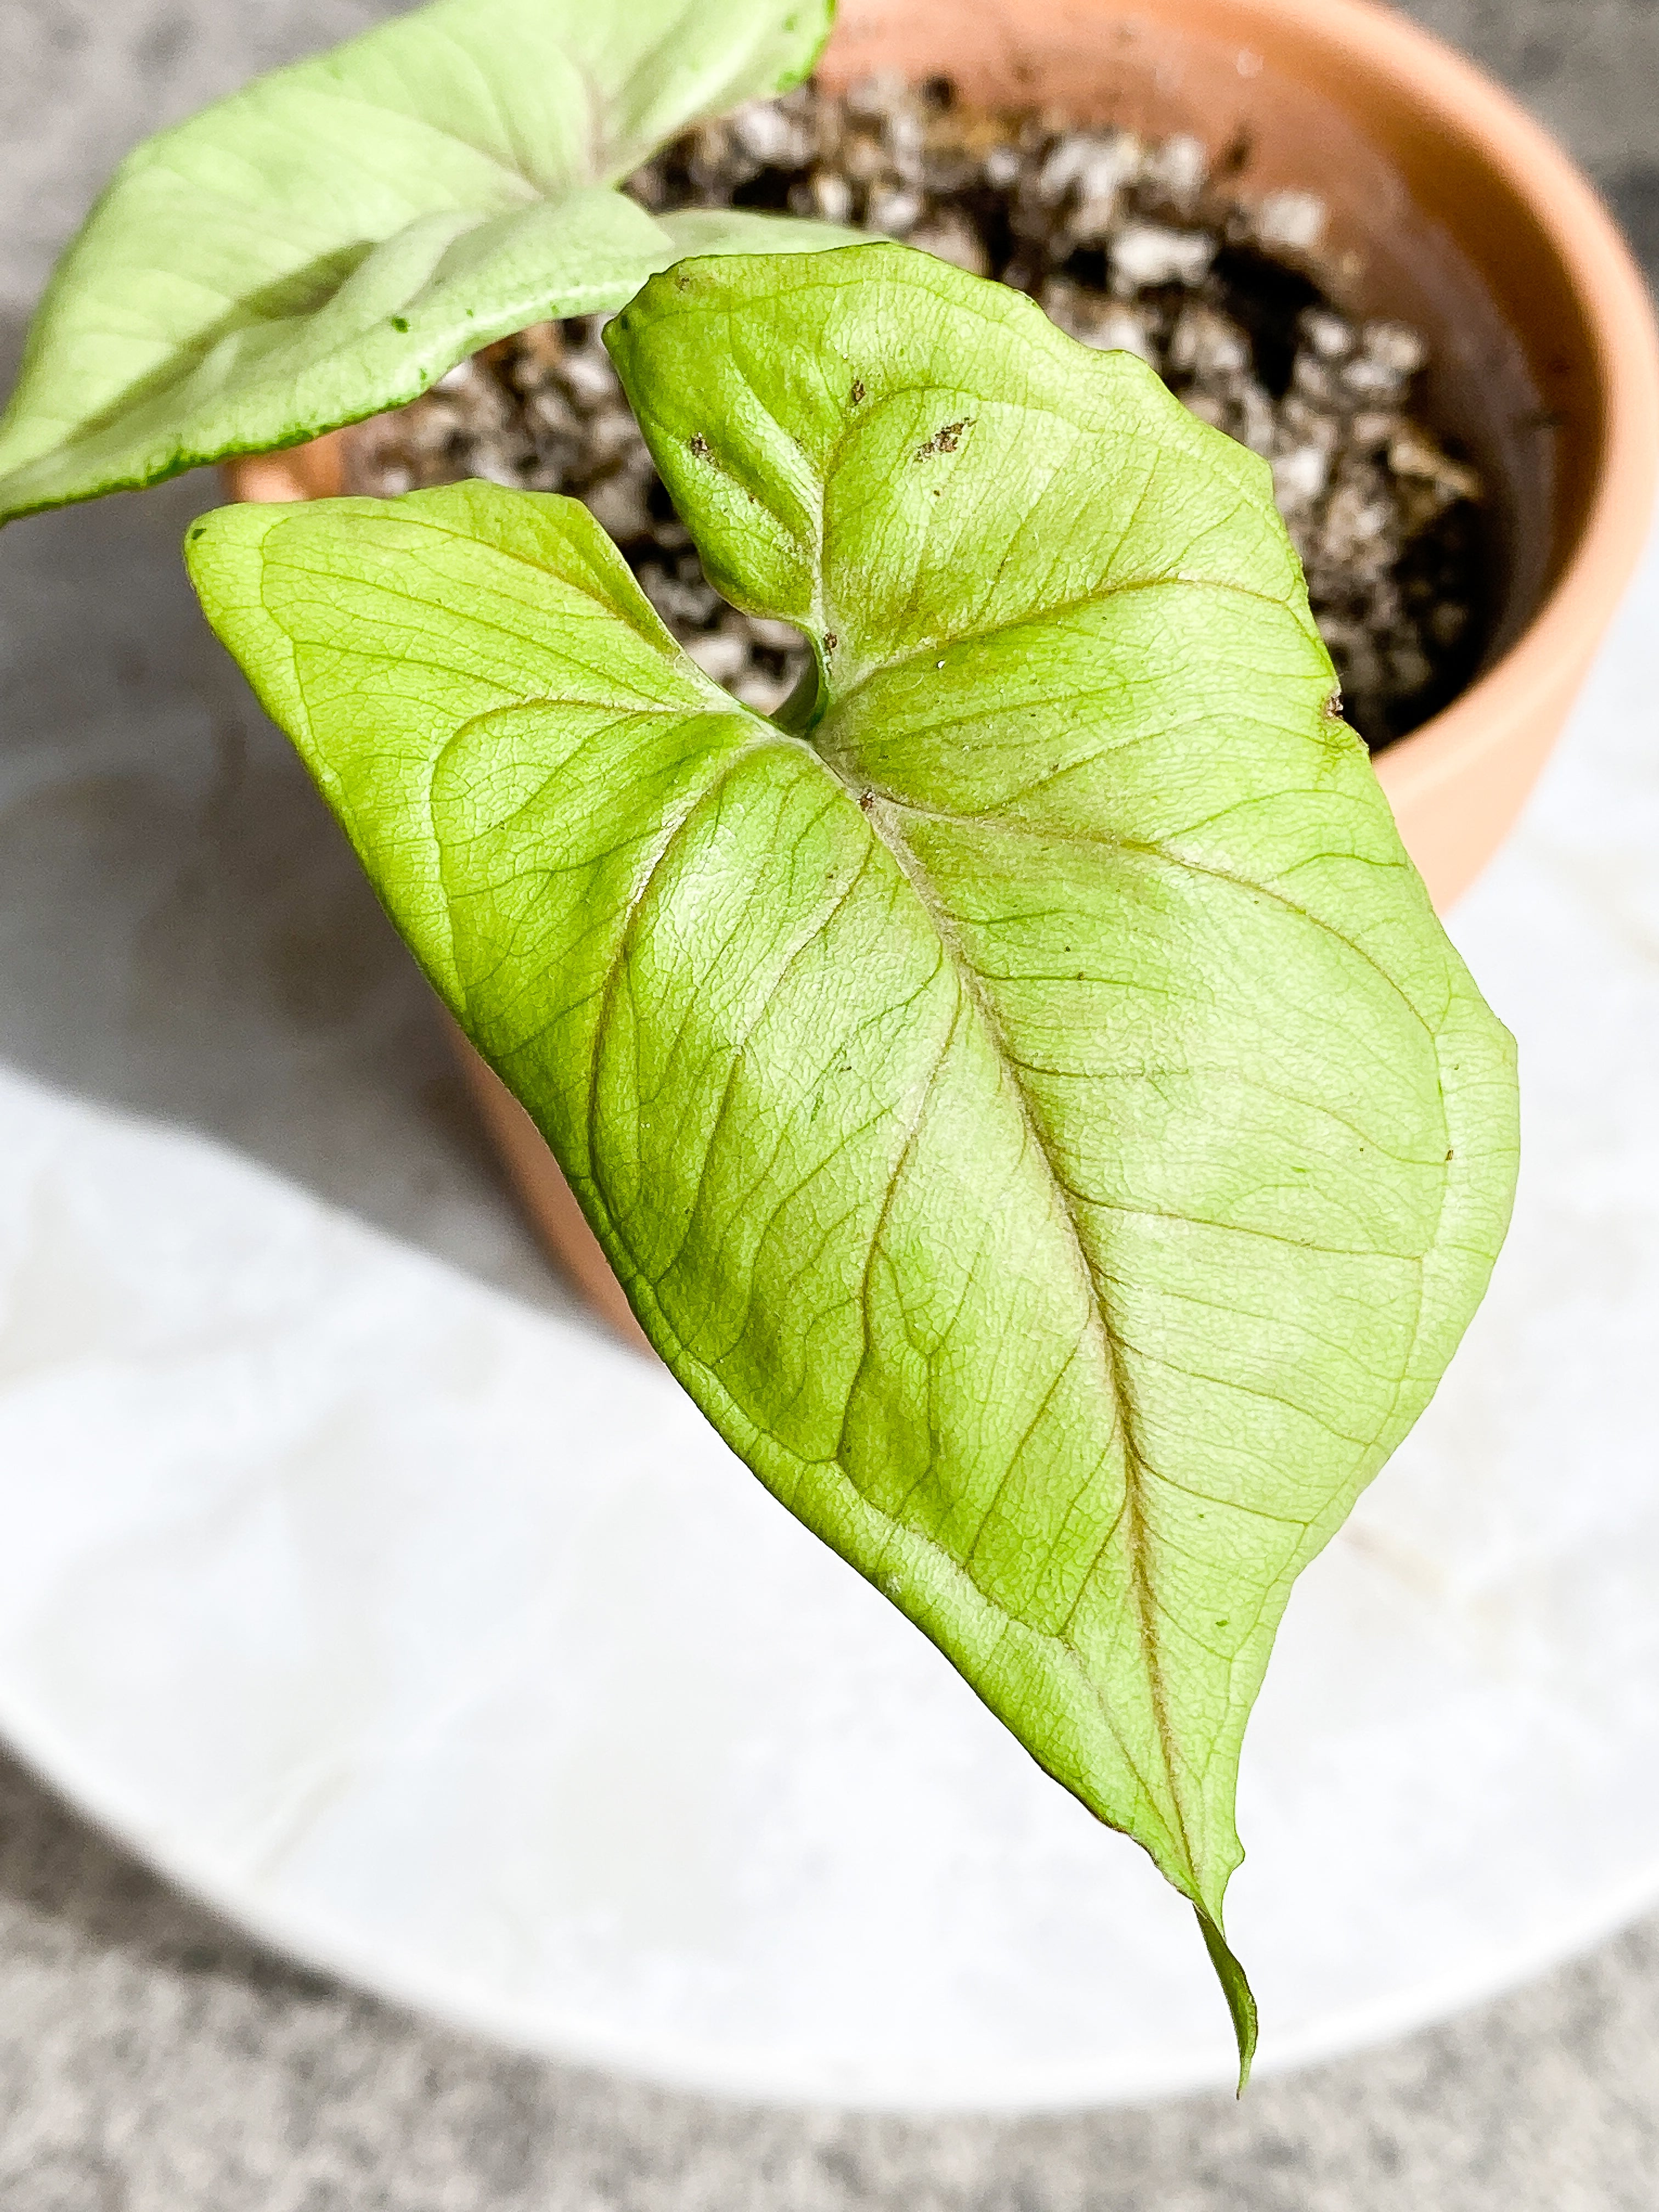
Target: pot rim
{"type": "Point", "coordinates": [1613, 296]}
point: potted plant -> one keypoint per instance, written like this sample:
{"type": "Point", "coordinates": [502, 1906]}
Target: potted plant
{"type": "Point", "coordinates": [1021, 1084]}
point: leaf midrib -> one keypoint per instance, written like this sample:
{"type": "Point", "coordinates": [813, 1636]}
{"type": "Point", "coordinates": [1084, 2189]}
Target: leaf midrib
{"type": "Point", "coordinates": [1134, 1466]}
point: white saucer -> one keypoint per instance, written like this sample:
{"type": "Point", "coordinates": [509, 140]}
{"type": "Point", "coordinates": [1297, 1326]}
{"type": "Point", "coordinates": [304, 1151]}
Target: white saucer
{"type": "Point", "coordinates": [439, 1639]}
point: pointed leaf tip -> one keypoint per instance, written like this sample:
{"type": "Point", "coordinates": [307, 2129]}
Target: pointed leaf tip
{"type": "Point", "coordinates": [1241, 2001]}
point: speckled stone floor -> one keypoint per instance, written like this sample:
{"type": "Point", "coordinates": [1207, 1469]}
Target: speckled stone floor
{"type": "Point", "coordinates": [152, 2060]}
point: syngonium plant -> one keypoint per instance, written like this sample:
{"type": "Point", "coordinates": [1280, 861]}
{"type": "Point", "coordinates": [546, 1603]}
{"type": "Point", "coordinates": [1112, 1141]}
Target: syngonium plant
{"type": "Point", "coordinates": [1021, 1086]}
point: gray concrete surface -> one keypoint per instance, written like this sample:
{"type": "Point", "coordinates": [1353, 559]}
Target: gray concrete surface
{"type": "Point", "coordinates": [152, 2060]}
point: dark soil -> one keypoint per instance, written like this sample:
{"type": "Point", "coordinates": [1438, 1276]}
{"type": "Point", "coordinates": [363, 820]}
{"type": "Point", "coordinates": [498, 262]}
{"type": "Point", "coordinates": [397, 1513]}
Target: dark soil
{"type": "Point", "coordinates": [1152, 247]}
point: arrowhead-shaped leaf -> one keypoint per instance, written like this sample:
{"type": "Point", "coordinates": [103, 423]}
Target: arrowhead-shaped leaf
{"type": "Point", "coordinates": [328, 241]}
{"type": "Point", "coordinates": [1030, 1102]}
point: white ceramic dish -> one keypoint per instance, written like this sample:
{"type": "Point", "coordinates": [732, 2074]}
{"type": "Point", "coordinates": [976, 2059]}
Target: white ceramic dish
{"type": "Point", "coordinates": [439, 1640]}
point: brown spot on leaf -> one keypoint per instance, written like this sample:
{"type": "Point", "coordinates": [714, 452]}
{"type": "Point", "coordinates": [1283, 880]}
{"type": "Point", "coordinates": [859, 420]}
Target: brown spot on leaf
{"type": "Point", "coordinates": [830, 641]}
{"type": "Point", "coordinates": [697, 446]}
{"type": "Point", "coordinates": [945, 440]}
{"type": "Point", "coordinates": [858, 391]}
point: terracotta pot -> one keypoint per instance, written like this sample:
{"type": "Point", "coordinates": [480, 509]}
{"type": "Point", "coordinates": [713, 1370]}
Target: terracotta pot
{"type": "Point", "coordinates": [1450, 208]}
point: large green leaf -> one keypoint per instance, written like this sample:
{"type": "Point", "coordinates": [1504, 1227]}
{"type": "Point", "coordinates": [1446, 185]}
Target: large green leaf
{"type": "Point", "coordinates": [328, 241]}
{"type": "Point", "coordinates": [1032, 1106]}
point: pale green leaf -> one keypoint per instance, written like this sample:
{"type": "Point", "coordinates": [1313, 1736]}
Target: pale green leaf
{"type": "Point", "coordinates": [1030, 1103]}
{"type": "Point", "coordinates": [329, 241]}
